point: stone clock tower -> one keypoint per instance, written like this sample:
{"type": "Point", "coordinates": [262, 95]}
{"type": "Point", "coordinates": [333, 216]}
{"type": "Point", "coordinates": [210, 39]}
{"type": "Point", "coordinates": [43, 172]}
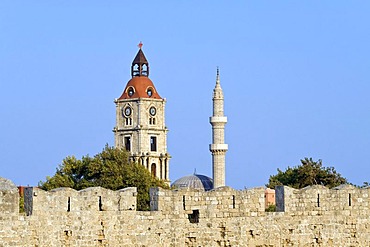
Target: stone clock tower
{"type": "Point", "coordinates": [140, 121]}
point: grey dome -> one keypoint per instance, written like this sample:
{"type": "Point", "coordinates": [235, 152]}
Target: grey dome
{"type": "Point", "coordinates": [195, 181]}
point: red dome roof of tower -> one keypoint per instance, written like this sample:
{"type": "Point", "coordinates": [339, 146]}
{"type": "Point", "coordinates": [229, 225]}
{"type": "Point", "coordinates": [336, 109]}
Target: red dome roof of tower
{"type": "Point", "coordinates": [140, 87]}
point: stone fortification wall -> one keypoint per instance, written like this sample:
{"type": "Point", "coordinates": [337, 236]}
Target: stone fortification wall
{"type": "Point", "coordinates": [222, 217]}
{"type": "Point", "coordinates": [217, 203]}
{"type": "Point", "coordinates": [9, 198]}
{"type": "Point", "coordinates": [62, 200]}
{"type": "Point", "coordinates": [312, 200]}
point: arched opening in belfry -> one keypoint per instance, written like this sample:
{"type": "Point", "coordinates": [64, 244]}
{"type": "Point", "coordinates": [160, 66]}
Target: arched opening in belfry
{"type": "Point", "coordinates": [145, 70]}
{"type": "Point", "coordinates": [153, 169]}
{"type": "Point", "coordinates": [136, 70]}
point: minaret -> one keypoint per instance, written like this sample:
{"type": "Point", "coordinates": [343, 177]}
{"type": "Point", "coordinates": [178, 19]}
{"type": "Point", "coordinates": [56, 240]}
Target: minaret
{"type": "Point", "coordinates": [218, 147]}
{"type": "Point", "coordinates": [140, 121]}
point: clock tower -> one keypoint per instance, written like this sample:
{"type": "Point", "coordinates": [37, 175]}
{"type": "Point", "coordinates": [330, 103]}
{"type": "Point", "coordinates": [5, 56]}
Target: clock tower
{"type": "Point", "coordinates": [140, 121]}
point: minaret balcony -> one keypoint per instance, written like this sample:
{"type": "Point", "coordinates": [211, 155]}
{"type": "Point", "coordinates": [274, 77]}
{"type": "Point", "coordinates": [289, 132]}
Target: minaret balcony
{"type": "Point", "coordinates": [218, 119]}
{"type": "Point", "coordinates": [218, 147]}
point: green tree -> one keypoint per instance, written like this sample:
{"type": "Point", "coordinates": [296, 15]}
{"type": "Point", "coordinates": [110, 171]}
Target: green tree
{"type": "Point", "coordinates": [271, 208]}
{"type": "Point", "coordinates": [109, 169]}
{"type": "Point", "coordinates": [365, 185]}
{"type": "Point", "coordinates": [308, 173]}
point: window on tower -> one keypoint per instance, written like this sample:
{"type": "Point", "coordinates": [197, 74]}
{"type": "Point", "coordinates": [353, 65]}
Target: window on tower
{"type": "Point", "coordinates": [130, 91]}
{"type": "Point", "coordinates": [153, 143]}
{"type": "Point", "coordinates": [152, 121]}
{"type": "Point", "coordinates": [153, 169]}
{"type": "Point", "coordinates": [128, 143]}
{"type": "Point", "coordinates": [128, 121]}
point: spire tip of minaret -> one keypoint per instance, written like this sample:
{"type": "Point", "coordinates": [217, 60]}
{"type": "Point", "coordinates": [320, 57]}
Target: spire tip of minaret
{"type": "Point", "coordinates": [218, 76]}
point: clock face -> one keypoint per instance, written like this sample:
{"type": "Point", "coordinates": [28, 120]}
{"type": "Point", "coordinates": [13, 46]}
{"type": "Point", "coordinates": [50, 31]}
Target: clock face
{"type": "Point", "coordinates": [127, 111]}
{"type": "Point", "coordinates": [152, 111]}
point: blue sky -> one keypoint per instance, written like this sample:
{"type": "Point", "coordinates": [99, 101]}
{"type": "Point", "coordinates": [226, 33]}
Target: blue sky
{"type": "Point", "coordinates": [295, 76]}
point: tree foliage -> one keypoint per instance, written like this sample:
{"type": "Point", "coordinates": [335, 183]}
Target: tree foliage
{"type": "Point", "coordinates": [109, 169]}
{"type": "Point", "coordinates": [308, 173]}
{"type": "Point", "coordinates": [271, 208]}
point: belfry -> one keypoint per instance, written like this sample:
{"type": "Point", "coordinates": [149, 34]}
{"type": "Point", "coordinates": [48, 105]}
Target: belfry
{"type": "Point", "coordinates": [218, 147]}
{"type": "Point", "coordinates": [140, 121]}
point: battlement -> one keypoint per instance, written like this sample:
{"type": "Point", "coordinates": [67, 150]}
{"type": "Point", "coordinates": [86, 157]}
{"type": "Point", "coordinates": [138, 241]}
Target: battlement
{"type": "Point", "coordinates": [313, 216]}
{"type": "Point", "coordinates": [319, 200]}
{"type": "Point", "coordinates": [217, 203]}
{"type": "Point", "coordinates": [69, 200]}
{"type": "Point", "coordinates": [9, 197]}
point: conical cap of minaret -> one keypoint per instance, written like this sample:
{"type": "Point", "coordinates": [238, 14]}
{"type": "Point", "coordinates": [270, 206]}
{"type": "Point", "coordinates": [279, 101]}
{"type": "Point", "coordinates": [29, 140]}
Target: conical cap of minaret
{"type": "Point", "coordinates": [217, 92]}
{"type": "Point", "coordinates": [218, 98]}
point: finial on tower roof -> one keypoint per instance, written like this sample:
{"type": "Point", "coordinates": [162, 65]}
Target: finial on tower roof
{"type": "Point", "coordinates": [218, 76]}
{"type": "Point", "coordinates": [140, 45]}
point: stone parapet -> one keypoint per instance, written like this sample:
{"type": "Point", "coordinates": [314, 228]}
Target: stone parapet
{"type": "Point", "coordinates": [317, 199]}
{"type": "Point", "coordinates": [185, 217]}
{"type": "Point", "coordinates": [66, 200]}
{"type": "Point", "coordinates": [9, 197]}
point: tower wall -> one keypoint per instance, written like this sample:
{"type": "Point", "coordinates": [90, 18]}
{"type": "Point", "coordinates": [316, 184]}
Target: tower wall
{"type": "Point", "coordinates": [218, 160]}
{"type": "Point", "coordinates": [140, 129]}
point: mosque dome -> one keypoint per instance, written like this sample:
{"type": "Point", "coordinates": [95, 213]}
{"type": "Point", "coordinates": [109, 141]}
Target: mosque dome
{"type": "Point", "coordinates": [195, 181]}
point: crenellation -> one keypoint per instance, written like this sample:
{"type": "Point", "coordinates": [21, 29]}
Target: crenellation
{"type": "Point", "coordinates": [66, 200]}
{"type": "Point", "coordinates": [319, 200]}
{"type": "Point", "coordinates": [186, 217]}
{"type": "Point", "coordinates": [9, 198]}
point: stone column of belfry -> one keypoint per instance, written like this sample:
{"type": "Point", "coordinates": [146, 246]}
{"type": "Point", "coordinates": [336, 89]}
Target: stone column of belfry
{"type": "Point", "coordinates": [218, 147]}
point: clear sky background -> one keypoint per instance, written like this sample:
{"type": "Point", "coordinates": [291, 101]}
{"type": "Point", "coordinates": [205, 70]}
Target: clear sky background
{"type": "Point", "coordinates": [295, 76]}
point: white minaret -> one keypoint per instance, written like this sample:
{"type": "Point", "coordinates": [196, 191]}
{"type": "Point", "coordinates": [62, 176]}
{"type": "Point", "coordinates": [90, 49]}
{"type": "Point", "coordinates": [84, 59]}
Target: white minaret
{"type": "Point", "coordinates": [218, 147]}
